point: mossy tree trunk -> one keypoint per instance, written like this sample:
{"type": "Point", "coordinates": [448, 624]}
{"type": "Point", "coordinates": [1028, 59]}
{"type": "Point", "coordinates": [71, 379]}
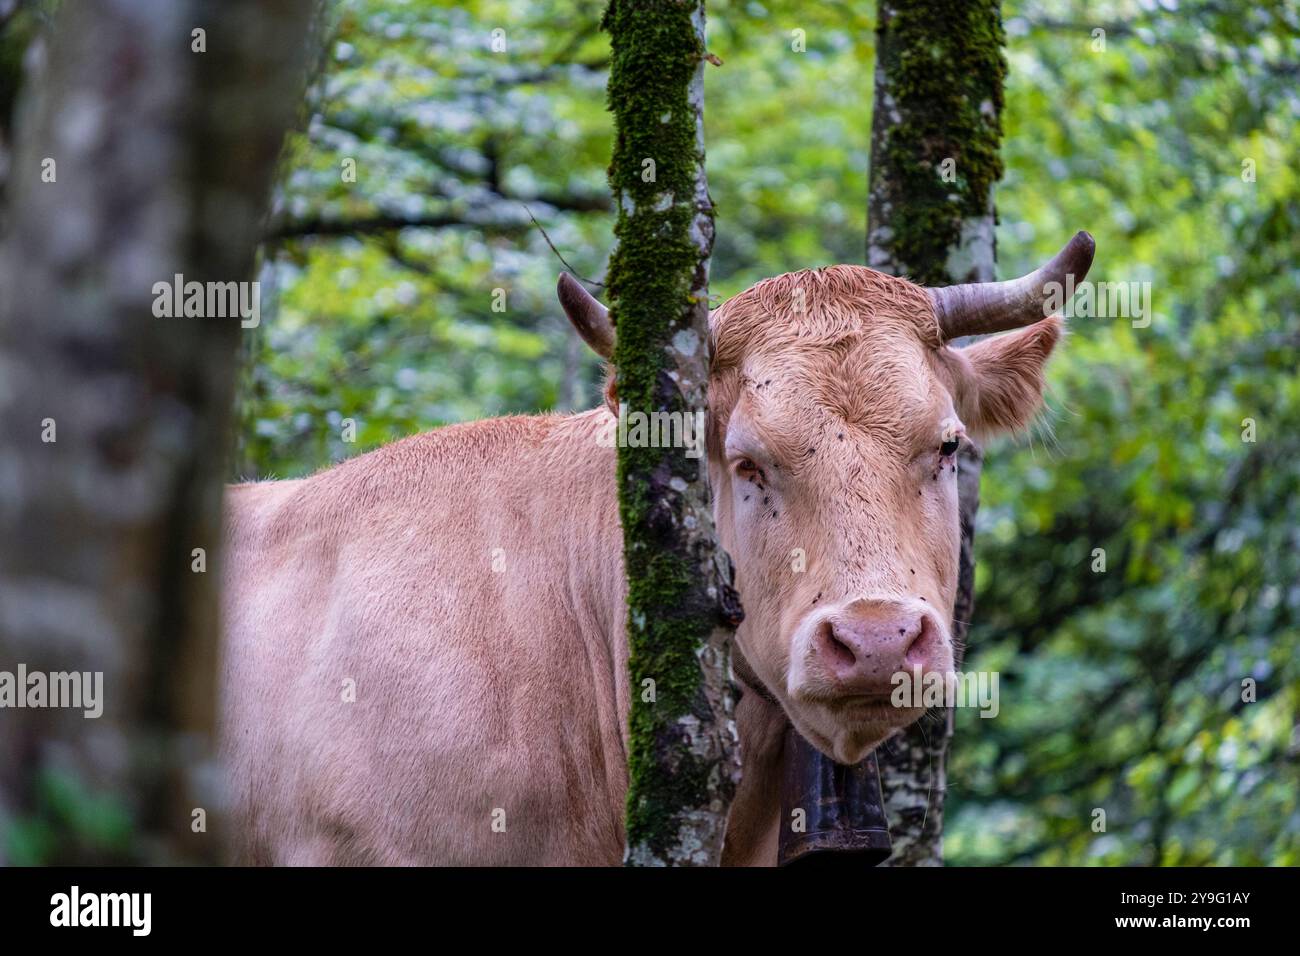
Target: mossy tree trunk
{"type": "Point", "coordinates": [935, 140]}
{"type": "Point", "coordinates": [143, 150]}
{"type": "Point", "coordinates": [683, 764]}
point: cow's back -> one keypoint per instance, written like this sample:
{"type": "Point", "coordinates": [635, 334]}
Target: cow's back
{"type": "Point", "coordinates": [423, 660]}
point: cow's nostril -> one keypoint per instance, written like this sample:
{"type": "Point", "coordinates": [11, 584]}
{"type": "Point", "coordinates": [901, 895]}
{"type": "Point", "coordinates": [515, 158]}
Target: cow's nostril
{"type": "Point", "coordinates": [919, 647]}
{"type": "Point", "coordinates": [835, 649]}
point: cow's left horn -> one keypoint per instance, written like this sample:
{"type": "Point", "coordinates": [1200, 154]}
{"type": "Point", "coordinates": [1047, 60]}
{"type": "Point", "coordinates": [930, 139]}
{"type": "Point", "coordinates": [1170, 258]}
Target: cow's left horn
{"type": "Point", "coordinates": [980, 307]}
{"type": "Point", "coordinates": [588, 316]}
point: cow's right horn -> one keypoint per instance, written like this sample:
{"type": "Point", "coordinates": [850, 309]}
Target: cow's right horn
{"type": "Point", "coordinates": [588, 316]}
{"type": "Point", "coordinates": [980, 307]}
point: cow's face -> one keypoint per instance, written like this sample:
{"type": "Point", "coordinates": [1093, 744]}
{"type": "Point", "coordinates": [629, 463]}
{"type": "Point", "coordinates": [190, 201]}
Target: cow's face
{"type": "Point", "coordinates": [837, 411]}
{"type": "Point", "coordinates": [837, 414]}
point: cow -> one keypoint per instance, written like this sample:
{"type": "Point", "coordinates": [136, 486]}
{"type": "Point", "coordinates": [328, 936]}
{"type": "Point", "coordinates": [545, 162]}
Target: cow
{"type": "Point", "coordinates": [424, 647]}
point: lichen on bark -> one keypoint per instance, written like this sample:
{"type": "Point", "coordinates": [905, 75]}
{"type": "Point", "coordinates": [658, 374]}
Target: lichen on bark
{"type": "Point", "coordinates": [938, 96]}
{"type": "Point", "coordinates": [683, 766]}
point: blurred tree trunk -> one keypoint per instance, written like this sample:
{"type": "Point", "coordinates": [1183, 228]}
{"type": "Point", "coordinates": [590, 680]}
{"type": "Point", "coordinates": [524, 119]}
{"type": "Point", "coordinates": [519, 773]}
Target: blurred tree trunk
{"type": "Point", "coordinates": [935, 140]}
{"type": "Point", "coordinates": [683, 764]}
{"type": "Point", "coordinates": [143, 150]}
{"type": "Point", "coordinates": [22, 26]}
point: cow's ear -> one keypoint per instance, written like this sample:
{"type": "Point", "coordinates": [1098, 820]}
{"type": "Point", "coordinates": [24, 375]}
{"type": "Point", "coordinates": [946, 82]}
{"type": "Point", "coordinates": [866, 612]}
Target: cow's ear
{"type": "Point", "coordinates": [611, 390]}
{"type": "Point", "coordinates": [998, 382]}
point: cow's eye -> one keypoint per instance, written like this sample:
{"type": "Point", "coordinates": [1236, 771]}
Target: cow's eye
{"type": "Point", "coordinates": [747, 467]}
{"type": "Point", "coordinates": [949, 448]}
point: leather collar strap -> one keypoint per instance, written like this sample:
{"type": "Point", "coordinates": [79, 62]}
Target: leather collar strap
{"type": "Point", "coordinates": [740, 667]}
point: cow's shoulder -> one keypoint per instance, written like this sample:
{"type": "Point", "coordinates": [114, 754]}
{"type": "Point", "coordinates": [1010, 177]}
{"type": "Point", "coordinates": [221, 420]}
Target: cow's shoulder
{"type": "Point", "coordinates": [487, 460]}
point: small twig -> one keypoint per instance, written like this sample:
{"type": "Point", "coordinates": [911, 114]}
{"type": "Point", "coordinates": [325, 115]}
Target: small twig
{"type": "Point", "coordinates": [557, 251]}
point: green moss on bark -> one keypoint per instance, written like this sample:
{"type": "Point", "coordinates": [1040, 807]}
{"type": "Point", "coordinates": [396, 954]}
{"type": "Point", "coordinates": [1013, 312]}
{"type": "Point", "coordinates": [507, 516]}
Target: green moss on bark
{"type": "Point", "coordinates": [942, 65]}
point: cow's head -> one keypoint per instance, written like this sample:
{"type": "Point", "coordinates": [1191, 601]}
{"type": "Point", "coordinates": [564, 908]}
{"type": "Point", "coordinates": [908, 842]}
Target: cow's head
{"type": "Point", "coordinates": [837, 408]}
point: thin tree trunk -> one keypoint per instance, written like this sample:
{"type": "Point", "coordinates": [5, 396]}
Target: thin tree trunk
{"type": "Point", "coordinates": [113, 420]}
{"type": "Point", "coordinates": [683, 764]}
{"type": "Point", "coordinates": [936, 134]}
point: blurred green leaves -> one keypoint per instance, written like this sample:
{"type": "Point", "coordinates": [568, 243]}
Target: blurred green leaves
{"type": "Point", "coordinates": [72, 823]}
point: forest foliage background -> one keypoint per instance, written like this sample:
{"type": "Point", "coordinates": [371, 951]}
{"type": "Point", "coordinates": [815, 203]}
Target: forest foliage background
{"type": "Point", "coordinates": [1120, 689]}
{"type": "Point", "coordinates": [422, 293]}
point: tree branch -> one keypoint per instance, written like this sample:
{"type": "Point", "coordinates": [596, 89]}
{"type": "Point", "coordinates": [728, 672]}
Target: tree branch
{"type": "Point", "coordinates": [379, 223]}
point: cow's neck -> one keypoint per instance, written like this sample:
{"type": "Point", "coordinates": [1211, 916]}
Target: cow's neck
{"type": "Point", "coordinates": [752, 826]}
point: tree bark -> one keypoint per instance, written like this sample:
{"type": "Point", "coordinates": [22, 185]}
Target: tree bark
{"type": "Point", "coordinates": [113, 420]}
{"type": "Point", "coordinates": [936, 135]}
{"type": "Point", "coordinates": [683, 761]}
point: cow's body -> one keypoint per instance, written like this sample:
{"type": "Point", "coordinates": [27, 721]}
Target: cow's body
{"type": "Point", "coordinates": [425, 647]}
{"type": "Point", "coordinates": [468, 583]}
